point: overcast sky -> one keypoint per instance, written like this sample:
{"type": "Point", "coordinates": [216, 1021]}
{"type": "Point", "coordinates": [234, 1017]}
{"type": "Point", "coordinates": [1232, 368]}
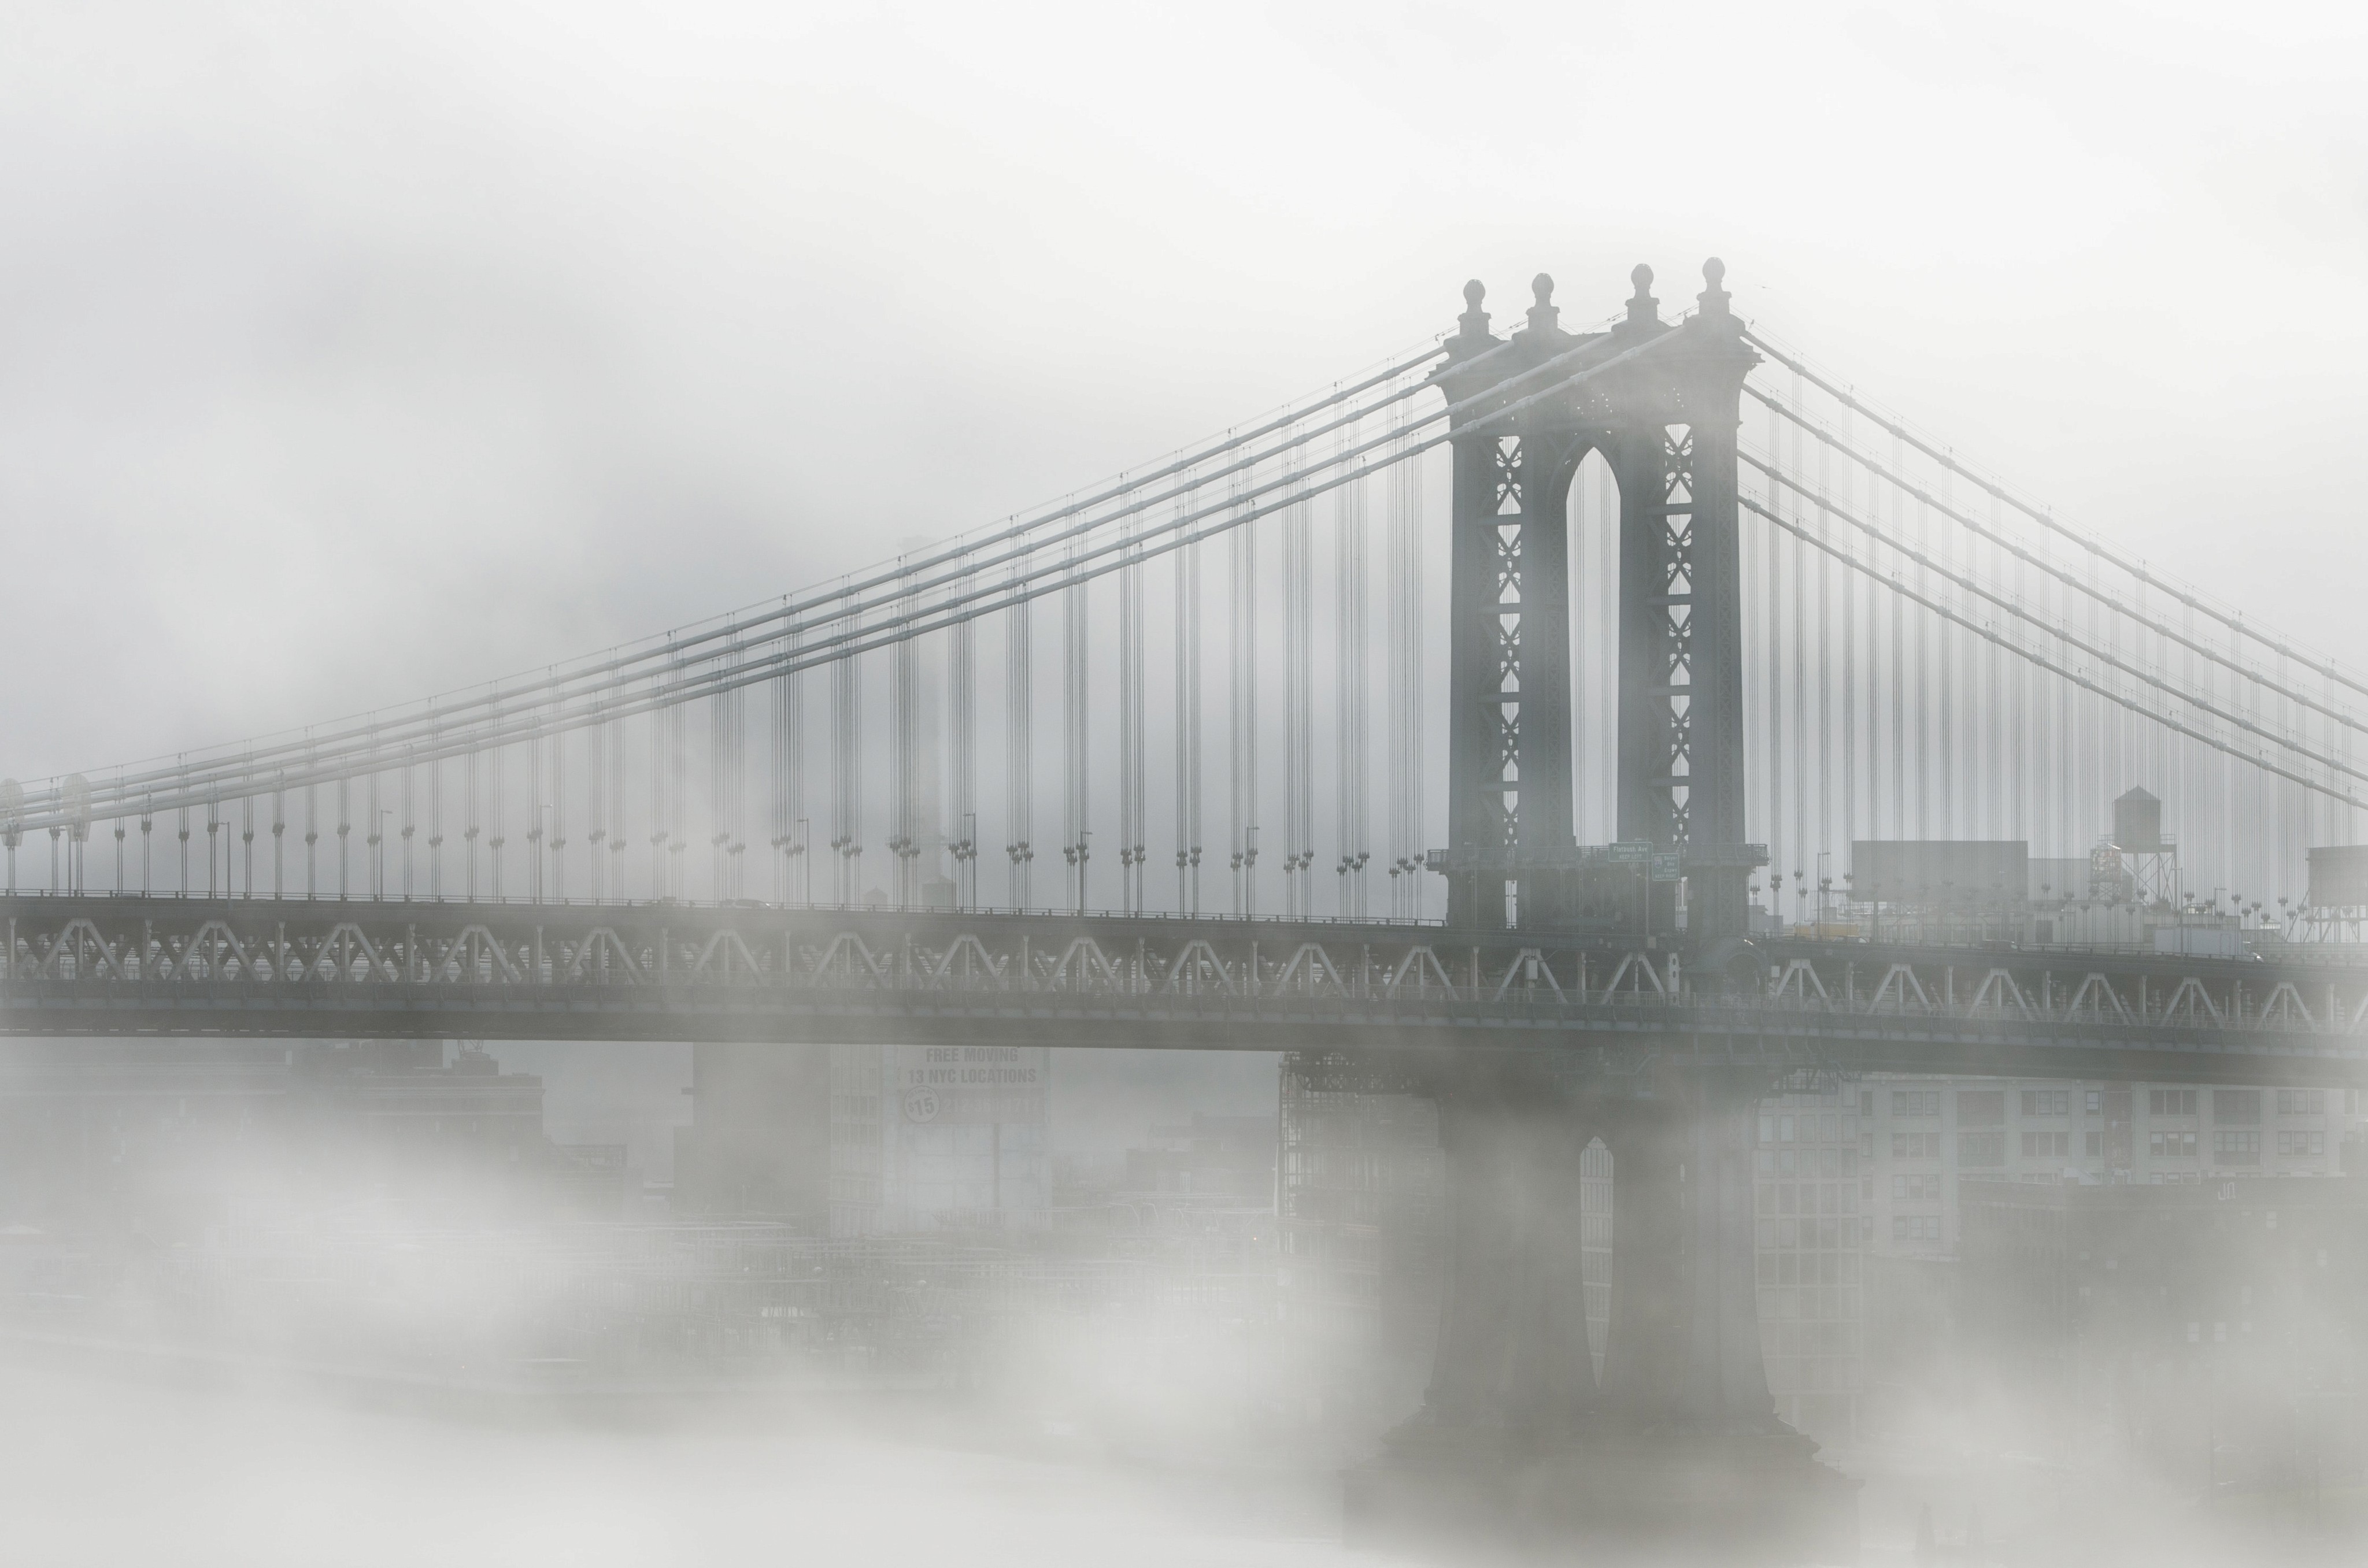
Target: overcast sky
{"type": "Point", "coordinates": [349, 353]}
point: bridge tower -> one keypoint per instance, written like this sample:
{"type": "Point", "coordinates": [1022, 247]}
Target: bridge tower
{"type": "Point", "coordinates": [1678, 1441]}
{"type": "Point", "coordinates": [1660, 402]}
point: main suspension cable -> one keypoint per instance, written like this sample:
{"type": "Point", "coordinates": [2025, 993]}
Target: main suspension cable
{"type": "Point", "coordinates": [2041, 661]}
{"type": "Point", "coordinates": [2095, 547]}
{"type": "Point", "coordinates": [2104, 655]}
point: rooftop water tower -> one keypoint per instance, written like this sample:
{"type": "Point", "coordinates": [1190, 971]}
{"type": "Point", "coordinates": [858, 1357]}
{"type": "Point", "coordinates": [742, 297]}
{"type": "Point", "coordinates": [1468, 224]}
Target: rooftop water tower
{"type": "Point", "coordinates": [2137, 824]}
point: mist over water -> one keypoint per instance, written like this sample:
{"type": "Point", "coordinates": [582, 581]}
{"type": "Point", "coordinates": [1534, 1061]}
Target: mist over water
{"type": "Point", "coordinates": [243, 1342]}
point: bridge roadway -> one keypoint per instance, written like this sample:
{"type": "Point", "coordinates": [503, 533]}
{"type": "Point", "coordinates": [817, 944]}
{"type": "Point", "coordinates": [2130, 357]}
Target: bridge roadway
{"type": "Point", "coordinates": [113, 965]}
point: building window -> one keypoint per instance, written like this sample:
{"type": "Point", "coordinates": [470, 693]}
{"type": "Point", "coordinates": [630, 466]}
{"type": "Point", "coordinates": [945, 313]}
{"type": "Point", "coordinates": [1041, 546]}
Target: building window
{"type": "Point", "coordinates": [2096, 1102]}
{"type": "Point", "coordinates": [1916, 1145]}
{"type": "Point", "coordinates": [1916, 1188]}
{"type": "Point", "coordinates": [2046, 1102]}
{"type": "Point", "coordinates": [2302, 1143]}
{"type": "Point", "coordinates": [1915, 1102]}
{"type": "Point", "coordinates": [1866, 1102]}
{"type": "Point", "coordinates": [2237, 1108]}
{"type": "Point", "coordinates": [2172, 1145]}
{"type": "Point", "coordinates": [2096, 1145]}
{"type": "Point", "coordinates": [1915, 1227]}
{"type": "Point", "coordinates": [1981, 1107]}
{"type": "Point", "coordinates": [2170, 1102]}
{"type": "Point", "coordinates": [2045, 1145]}
{"type": "Point", "coordinates": [2235, 1148]}
{"type": "Point", "coordinates": [1981, 1148]}
{"type": "Point", "coordinates": [2302, 1102]}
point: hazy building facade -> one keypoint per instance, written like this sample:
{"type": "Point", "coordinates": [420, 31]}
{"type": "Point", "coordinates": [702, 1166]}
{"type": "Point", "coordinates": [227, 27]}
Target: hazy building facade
{"type": "Point", "coordinates": [869, 1140]}
{"type": "Point", "coordinates": [1920, 1138]}
{"type": "Point", "coordinates": [2210, 1327]}
{"type": "Point", "coordinates": [1810, 1245]}
{"type": "Point", "coordinates": [178, 1137]}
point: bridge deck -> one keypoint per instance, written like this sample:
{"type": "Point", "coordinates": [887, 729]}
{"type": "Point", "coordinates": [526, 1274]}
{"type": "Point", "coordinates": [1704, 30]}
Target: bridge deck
{"type": "Point", "coordinates": [102, 965]}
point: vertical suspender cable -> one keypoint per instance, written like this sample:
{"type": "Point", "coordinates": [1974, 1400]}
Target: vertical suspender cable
{"type": "Point", "coordinates": [469, 833]}
{"type": "Point", "coordinates": [847, 734]}
{"type": "Point", "coordinates": [1801, 843]}
{"type": "Point", "coordinates": [1074, 631]}
{"type": "Point", "coordinates": [1130, 727]}
{"type": "Point", "coordinates": [1928, 648]}
{"type": "Point", "coordinates": [1404, 677]}
{"type": "Point", "coordinates": [536, 805]}
{"type": "Point", "coordinates": [2018, 719]}
{"type": "Point", "coordinates": [595, 804]}
{"type": "Point", "coordinates": [499, 821]}
{"type": "Point", "coordinates": [736, 799]}
{"type": "Point", "coordinates": [791, 827]}
{"type": "Point", "coordinates": [1298, 570]}
{"type": "Point", "coordinates": [677, 795]}
{"type": "Point", "coordinates": [962, 703]}
{"type": "Point", "coordinates": [661, 735]}
{"type": "Point", "coordinates": [410, 823]}
{"type": "Point", "coordinates": [1353, 754]}
{"type": "Point", "coordinates": [374, 841]}
{"type": "Point", "coordinates": [1187, 567]}
{"type": "Point", "coordinates": [1946, 676]}
{"type": "Point", "coordinates": [1897, 610]}
{"type": "Point", "coordinates": [559, 816]}
{"type": "Point", "coordinates": [435, 828]}
{"type": "Point", "coordinates": [619, 820]}
{"type": "Point", "coordinates": [719, 742]}
{"type": "Point", "coordinates": [1775, 677]}
{"type": "Point", "coordinates": [1019, 709]}
{"type": "Point", "coordinates": [1838, 848]}
{"type": "Point", "coordinates": [1241, 669]}
{"type": "Point", "coordinates": [904, 847]}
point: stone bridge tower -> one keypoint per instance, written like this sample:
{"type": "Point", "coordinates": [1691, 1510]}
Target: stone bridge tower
{"type": "Point", "coordinates": [1659, 401]}
{"type": "Point", "coordinates": [1678, 1442]}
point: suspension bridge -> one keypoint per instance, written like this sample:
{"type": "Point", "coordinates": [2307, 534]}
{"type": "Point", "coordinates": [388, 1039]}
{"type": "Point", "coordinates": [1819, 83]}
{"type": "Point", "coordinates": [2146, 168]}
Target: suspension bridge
{"type": "Point", "coordinates": [1700, 625]}
{"type": "Point", "coordinates": [1459, 728]}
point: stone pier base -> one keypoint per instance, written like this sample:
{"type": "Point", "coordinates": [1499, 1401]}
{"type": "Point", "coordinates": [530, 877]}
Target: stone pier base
{"type": "Point", "coordinates": [1671, 1499]}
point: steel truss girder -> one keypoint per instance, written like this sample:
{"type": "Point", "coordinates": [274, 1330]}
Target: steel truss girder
{"type": "Point", "coordinates": [105, 965]}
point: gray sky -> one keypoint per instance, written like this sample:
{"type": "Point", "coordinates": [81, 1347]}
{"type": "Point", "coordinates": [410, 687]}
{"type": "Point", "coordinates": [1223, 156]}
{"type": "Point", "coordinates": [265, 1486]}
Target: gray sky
{"type": "Point", "coordinates": [350, 353]}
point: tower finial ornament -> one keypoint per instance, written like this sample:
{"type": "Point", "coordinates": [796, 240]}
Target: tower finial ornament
{"type": "Point", "coordinates": [1715, 296]}
{"type": "Point", "coordinates": [1542, 316]}
{"type": "Point", "coordinates": [1643, 310]}
{"type": "Point", "coordinates": [1474, 321]}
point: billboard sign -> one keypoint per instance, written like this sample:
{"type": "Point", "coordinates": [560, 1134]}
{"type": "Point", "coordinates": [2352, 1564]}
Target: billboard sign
{"type": "Point", "coordinates": [970, 1084]}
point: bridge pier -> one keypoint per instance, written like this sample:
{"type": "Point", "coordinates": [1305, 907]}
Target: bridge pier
{"type": "Point", "coordinates": [1678, 1452]}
